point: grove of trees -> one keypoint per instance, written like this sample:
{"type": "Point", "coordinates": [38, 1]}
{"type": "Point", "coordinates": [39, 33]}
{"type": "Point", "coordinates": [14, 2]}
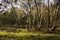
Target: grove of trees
{"type": "Point", "coordinates": [33, 15]}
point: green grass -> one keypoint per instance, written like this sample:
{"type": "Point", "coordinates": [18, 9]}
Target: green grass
{"type": "Point", "coordinates": [25, 35]}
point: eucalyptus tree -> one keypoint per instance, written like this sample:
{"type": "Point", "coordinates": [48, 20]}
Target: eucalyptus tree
{"type": "Point", "coordinates": [34, 19]}
{"type": "Point", "coordinates": [26, 7]}
{"type": "Point", "coordinates": [56, 14]}
{"type": "Point", "coordinates": [39, 15]}
{"type": "Point", "coordinates": [58, 7]}
{"type": "Point", "coordinates": [50, 27]}
{"type": "Point", "coordinates": [48, 16]}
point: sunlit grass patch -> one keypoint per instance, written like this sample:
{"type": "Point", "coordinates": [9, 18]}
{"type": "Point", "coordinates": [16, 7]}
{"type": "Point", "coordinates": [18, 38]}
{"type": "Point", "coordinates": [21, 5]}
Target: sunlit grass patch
{"type": "Point", "coordinates": [26, 35]}
{"type": "Point", "coordinates": [22, 34]}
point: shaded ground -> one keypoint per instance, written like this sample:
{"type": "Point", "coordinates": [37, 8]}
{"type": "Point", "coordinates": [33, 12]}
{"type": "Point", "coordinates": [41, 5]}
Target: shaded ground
{"type": "Point", "coordinates": [30, 38]}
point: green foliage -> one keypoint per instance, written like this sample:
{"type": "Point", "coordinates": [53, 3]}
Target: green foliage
{"type": "Point", "coordinates": [37, 17]}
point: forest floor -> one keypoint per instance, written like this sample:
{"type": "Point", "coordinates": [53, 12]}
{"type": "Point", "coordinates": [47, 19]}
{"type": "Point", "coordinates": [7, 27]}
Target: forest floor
{"type": "Point", "coordinates": [23, 34]}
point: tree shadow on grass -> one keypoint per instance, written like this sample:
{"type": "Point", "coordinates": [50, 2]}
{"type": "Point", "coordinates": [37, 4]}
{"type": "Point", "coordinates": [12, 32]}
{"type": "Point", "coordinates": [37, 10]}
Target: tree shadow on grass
{"type": "Point", "coordinates": [31, 37]}
{"type": "Point", "coordinates": [52, 32]}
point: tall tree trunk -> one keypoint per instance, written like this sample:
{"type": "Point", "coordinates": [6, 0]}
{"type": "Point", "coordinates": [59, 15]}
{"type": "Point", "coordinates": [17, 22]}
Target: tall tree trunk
{"type": "Point", "coordinates": [55, 18]}
{"type": "Point", "coordinates": [48, 17]}
{"type": "Point", "coordinates": [29, 15]}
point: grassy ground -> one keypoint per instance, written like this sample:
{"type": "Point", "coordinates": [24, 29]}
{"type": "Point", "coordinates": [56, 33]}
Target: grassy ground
{"type": "Point", "coordinates": [25, 35]}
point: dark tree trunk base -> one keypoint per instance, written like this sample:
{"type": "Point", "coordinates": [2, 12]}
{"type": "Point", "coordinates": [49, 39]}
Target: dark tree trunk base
{"type": "Point", "coordinates": [52, 29]}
